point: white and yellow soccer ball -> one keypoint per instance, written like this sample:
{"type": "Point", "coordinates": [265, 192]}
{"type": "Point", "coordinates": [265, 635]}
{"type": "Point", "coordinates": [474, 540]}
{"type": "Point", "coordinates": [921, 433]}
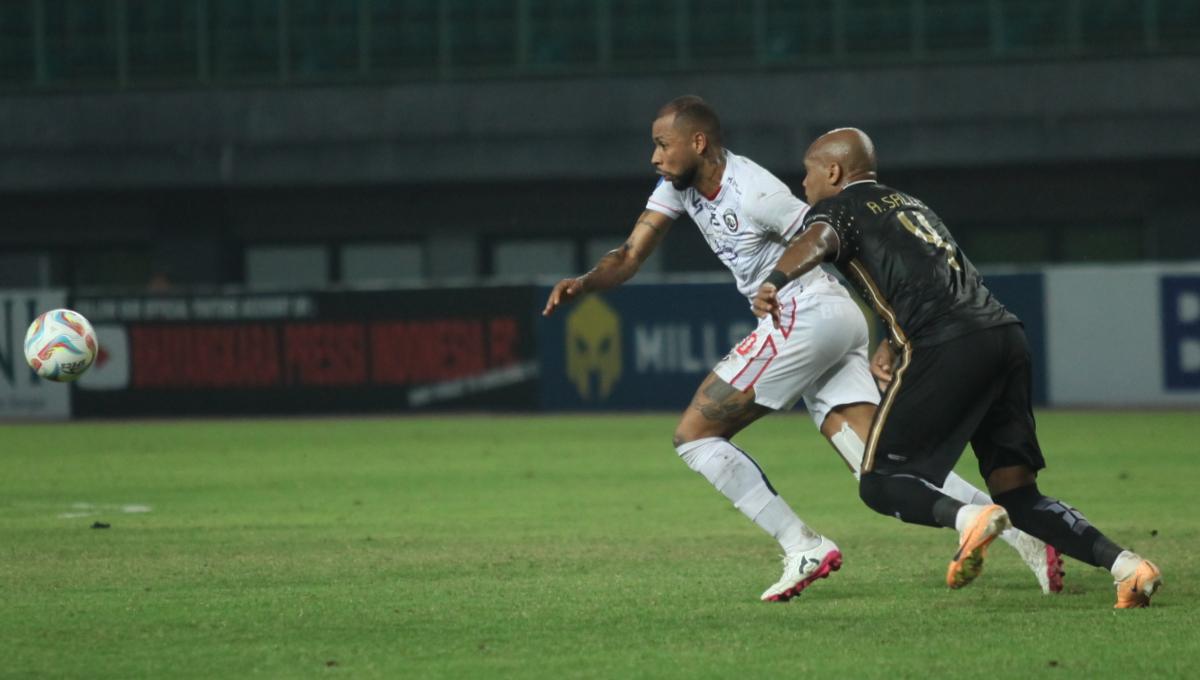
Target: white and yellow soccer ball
{"type": "Point", "coordinates": [61, 345]}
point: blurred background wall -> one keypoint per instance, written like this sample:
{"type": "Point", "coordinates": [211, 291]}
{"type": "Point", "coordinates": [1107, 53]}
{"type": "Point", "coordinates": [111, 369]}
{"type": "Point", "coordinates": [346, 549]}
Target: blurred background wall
{"type": "Point", "coordinates": [172, 144]}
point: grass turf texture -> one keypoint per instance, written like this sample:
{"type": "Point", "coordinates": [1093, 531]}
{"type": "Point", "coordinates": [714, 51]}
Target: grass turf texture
{"type": "Point", "coordinates": [548, 547]}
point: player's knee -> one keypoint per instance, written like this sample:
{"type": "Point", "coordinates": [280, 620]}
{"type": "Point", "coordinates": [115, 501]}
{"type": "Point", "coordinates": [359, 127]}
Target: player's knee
{"type": "Point", "coordinates": [691, 429]}
{"type": "Point", "coordinates": [683, 435]}
{"type": "Point", "coordinates": [1005, 479]}
{"type": "Point", "coordinates": [872, 489]}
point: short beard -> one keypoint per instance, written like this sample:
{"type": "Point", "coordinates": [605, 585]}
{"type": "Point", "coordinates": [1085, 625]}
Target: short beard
{"type": "Point", "coordinates": [682, 182]}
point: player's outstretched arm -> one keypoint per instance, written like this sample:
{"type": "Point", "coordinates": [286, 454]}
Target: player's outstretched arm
{"type": "Point", "coordinates": [617, 266]}
{"type": "Point", "coordinates": [812, 247]}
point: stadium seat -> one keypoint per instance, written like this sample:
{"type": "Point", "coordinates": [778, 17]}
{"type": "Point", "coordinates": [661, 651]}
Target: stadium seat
{"type": "Point", "coordinates": [953, 27]}
{"type": "Point", "coordinates": [1112, 26]}
{"type": "Point", "coordinates": [80, 41]}
{"type": "Point", "coordinates": [1035, 27]}
{"type": "Point", "coordinates": [876, 27]}
{"type": "Point", "coordinates": [722, 32]}
{"type": "Point", "coordinates": [1179, 25]}
{"type": "Point", "coordinates": [483, 35]}
{"type": "Point", "coordinates": [17, 66]}
{"type": "Point", "coordinates": [403, 37]}
{"type": "Point", "coordinates": [798, 31]}
{"type": "Point", "coordinates": [562, 33]}
{"type": "Point", "coordinates": [245, 38]}
{"type": "Point", "coordinates": [322, 38]}
{"type": "Point", "coordinates": [162, 40]}
{"type": "Point", "coordinates": [642, 33]}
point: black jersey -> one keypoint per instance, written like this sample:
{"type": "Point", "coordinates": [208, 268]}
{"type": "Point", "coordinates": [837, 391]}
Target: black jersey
{"type": "Point", "coordinates": [905, 263]}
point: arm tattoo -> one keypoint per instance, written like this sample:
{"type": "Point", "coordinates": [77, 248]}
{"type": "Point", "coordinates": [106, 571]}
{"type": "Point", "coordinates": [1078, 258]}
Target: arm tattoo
{"type": "Point", "coordinates": [615, 256]}
{"type": "Point", "coordinates": [653, 227]}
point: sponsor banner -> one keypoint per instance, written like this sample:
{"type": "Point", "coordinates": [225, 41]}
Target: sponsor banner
{"type": "Point", "coordinates": [1180, 299]}
{"type": "Point", "coordinates": [313, 353]}
{"type": "Point", "coordinates": [638, 346]}
{"type": "Point", "coordinates": [22, 394]}
{"type": "Point", "coordinates": [650, 346]}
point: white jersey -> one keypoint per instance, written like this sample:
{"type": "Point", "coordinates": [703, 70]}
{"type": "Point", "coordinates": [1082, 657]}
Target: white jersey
{"type": "Point", "coordinates": [748, 223]}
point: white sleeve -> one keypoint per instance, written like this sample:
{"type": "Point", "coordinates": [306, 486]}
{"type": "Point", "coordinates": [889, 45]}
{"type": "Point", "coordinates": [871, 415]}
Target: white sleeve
{"type": "Point", "coordinates": [778, 211]}
{"type": "Point", "coordinates": [666, 199]}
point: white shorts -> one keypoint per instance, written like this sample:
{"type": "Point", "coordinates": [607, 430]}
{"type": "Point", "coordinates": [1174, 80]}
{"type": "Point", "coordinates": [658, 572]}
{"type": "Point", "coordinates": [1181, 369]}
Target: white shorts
{"type": "Point", "coordinates": [818, 353]}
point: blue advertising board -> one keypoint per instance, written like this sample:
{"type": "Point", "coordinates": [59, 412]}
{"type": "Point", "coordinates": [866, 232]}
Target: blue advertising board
{"type": "Point", "coordinates": [638, 346]}
{"type": "Point", "coordinates": [1181, 332]}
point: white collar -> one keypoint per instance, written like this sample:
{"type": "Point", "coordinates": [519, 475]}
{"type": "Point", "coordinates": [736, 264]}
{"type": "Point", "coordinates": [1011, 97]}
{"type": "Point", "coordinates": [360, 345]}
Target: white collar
{"type": "Point", "coordinates": [861, 181]}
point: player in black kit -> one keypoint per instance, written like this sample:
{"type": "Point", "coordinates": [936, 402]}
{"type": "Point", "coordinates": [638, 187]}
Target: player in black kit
{"type": "Point", "coordinates": [955, 369]}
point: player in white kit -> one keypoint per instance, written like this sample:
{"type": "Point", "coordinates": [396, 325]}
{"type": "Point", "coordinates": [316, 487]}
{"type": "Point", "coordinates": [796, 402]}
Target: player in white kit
{"type": "Point", "coordinates": [818, 352]}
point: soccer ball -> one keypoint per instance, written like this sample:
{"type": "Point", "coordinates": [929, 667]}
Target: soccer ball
{"type": "Point", "coordinates": [61, 345]}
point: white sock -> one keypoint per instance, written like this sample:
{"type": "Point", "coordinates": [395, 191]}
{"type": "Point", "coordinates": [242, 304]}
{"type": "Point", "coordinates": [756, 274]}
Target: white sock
{"type": "Point", "coordinates": [848, 444]}
{"type": "Point", "coordinates": [739, 478]}
{"type": "Point", "coordinates": [960, 490]}
{"type": "Point", "coordinates": [1125, 565]}
{"type": "Point", "coordinates": [966, 515]}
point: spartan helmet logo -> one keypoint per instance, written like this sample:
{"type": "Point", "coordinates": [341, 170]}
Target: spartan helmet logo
{"type": "Point", "coordinates": [593, 348]}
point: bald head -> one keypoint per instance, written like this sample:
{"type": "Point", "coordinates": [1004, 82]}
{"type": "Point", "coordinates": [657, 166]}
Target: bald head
{"type": "Point", "coordinates": [836, 159]}
{"type": "Point", "coordinates": [850, 148]}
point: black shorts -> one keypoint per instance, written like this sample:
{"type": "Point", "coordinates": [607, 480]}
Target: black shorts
{"type": "Point", "coordinates": [975, 389]}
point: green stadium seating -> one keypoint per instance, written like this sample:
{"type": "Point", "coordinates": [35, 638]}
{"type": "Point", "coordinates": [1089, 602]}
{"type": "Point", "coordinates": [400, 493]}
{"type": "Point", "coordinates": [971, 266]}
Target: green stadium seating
{"type": "Point", "coordinates": [1179, 25]}
{"type": "Point", "coordinates": [878, 27]}
{"type": "Point", "coordinates": [954, 27]}
{"type": "Point", "coordinates": [1035, 27]}
{"type": "Point", "coordinates": [643, 32]}
{"type": "Point", "coordinates": [562, 33]}
{"type": "Point", "coordinates": [722, 32]}
{"type": "Point", "coordinates": [131, 43]}
{"type": "Point", "coordinates": [404, 36]}
{"type": "Point", "coordinates": [483, 35]}
{"type": "Point", "coordinates": [163, 41]}
{"type": "Point", "coordinates": [798, 32]}
{"type": "Point", "coordinates": [18, 66]}
{"type": "Point", "coordinates": [81, 44]}
{"type": "Point", "coordinates": [244, 36]}
{"type": "Point", "coordinates": [323, 38]}
{"type": "Point", "coordinates": [1112, 26]}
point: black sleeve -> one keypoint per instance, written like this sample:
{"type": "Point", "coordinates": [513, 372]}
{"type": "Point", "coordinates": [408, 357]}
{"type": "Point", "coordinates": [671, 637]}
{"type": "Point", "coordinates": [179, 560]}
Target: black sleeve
{"type": "Point", "coordinates": [835, 211]}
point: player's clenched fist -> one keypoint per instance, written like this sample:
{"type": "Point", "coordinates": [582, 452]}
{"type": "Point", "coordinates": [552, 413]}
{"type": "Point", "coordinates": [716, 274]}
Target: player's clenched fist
{"type": "Point", "coordinates": [564, 291]}
{"type": "Point", "coordinates": [766, 302]}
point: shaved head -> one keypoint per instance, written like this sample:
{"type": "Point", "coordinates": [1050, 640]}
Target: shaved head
{"type": "Point", "coordinates": [850, 148]}
{"type": "Point", "coordinates": [836, 159]}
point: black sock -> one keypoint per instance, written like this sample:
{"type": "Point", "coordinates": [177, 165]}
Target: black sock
{"type": "Point", "coordinates": [1058, 524]}
{"type": "Point", "coordinates": [908, 499]}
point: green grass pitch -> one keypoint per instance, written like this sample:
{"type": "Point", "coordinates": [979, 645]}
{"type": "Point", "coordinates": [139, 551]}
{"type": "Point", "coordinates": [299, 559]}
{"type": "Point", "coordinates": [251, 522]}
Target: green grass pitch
{"type": "Point", "coordinates": [548, 547]}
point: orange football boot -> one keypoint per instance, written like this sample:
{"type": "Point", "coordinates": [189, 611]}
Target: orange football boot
{"type": "Point", "coordinates": [967, 564]}
{"type": "Point", "coordinates": [1134, 591]}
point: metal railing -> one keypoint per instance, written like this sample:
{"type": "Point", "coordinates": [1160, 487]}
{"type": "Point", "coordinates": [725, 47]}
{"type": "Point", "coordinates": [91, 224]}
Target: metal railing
{"type": "Point", "coordinates": [119, 44]}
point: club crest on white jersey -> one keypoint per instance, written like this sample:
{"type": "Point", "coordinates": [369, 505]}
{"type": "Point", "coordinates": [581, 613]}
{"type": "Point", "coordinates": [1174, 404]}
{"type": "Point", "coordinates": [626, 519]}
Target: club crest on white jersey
{"type": "Point", "coordinates": [748, 223]}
